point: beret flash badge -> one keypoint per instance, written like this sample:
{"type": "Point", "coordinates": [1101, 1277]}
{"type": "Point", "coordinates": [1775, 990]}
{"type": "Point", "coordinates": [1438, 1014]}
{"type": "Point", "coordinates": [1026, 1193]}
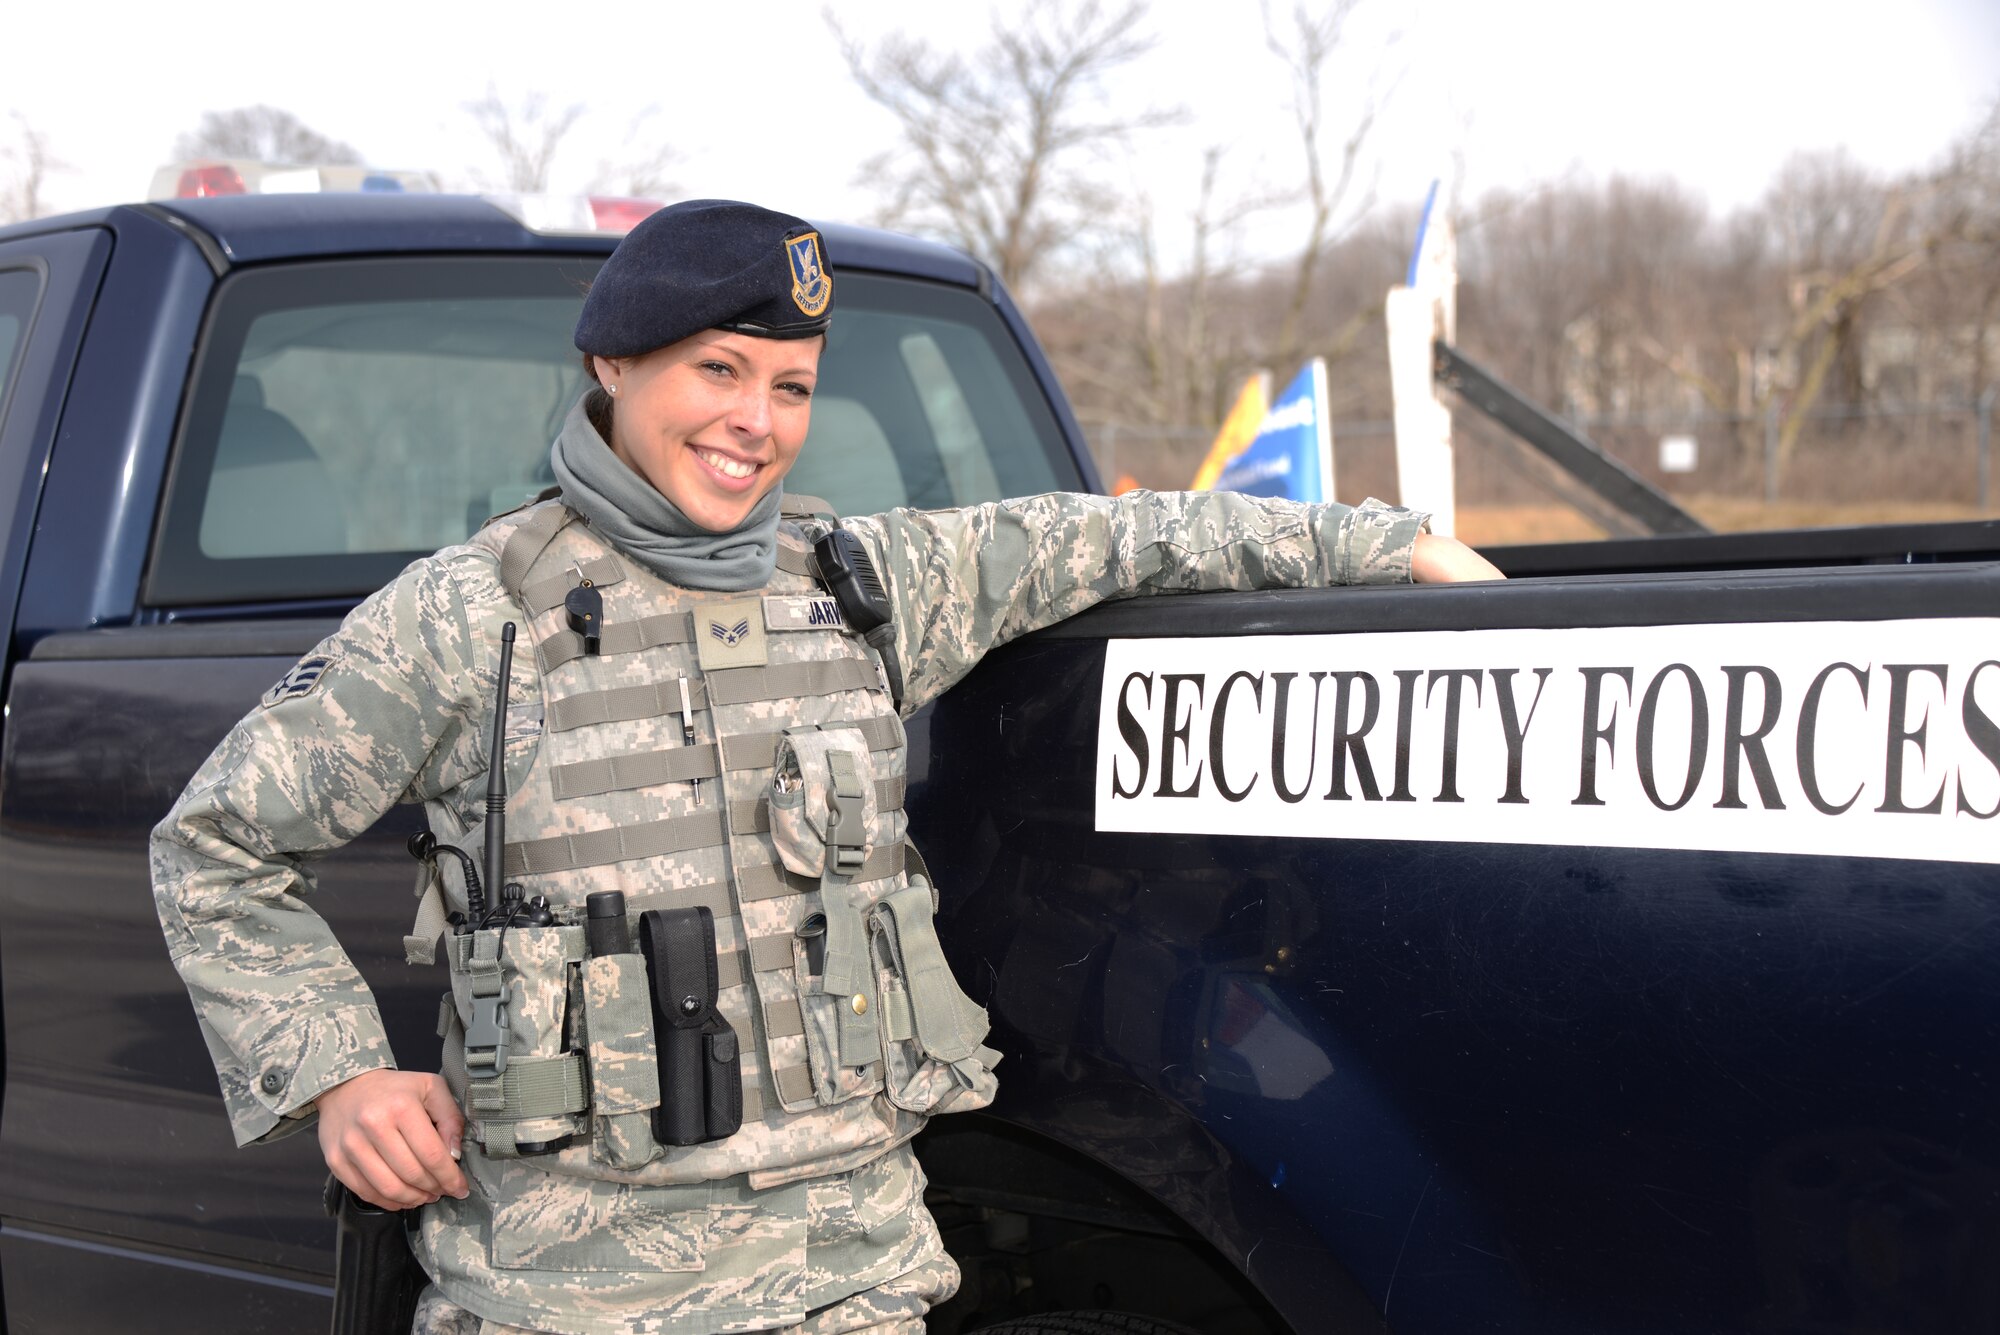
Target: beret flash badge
{"type": "Point", "coordinates": [812, 289]}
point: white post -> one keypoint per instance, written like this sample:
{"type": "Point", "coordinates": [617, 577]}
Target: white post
{"type": "Point", "coordinates": [1323, 428]}
{"type": "Point", "coordinates": [1419, 313]}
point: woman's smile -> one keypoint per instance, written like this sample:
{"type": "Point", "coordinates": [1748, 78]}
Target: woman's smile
{"type": "Point", "coordinates": [714, 421]}
{"type": "Point", "coordinates": [732, 470]}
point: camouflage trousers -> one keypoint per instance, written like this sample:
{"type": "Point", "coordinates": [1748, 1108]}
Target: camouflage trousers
{"type": "Point", "coordinates": [893, 1307]}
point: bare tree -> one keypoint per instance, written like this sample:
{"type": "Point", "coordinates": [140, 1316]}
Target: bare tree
{"type": "Point", "coordinates": [29, 162]}
{"type": "Point", "coordinates": [265, 134]}
{"type": "Point", "coordinates": [646, 170]}
{"type": "Point", "coordinates": [994, 146]}
{"type": "Point", "coordinates": [525, 134]}
{"type": "Point", "coordinates": [1955, 299]}
{"type": "Point", "coordinates": [1789, 293]}
{"type": "Point", "coordinates": [1169, 356]}
{"type": "Point", "coordinates": [1843, 243]}
{"type": "Point", "coordinates": [646, 176]}
{"type": "Point", "coordinates": [1310, 47]}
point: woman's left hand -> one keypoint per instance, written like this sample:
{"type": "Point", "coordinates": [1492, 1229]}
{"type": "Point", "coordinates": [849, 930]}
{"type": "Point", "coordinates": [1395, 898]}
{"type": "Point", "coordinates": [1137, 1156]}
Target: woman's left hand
{"type": "Point", "coordinates": [1436, 560]}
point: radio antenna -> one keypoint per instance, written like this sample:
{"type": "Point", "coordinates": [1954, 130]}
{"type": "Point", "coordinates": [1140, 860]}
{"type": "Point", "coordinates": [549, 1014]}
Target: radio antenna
{"type": "Point", "coordinates": [496, 773]}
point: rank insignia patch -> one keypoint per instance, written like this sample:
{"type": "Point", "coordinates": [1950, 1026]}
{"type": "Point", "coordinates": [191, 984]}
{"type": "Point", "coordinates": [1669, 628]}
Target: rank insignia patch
{"type": "Point", "coordinates": [302, 680]}
{"type": "Point", "coordinates": [812, 286]}
{"type": "Point", "coordinates": [731, 634]}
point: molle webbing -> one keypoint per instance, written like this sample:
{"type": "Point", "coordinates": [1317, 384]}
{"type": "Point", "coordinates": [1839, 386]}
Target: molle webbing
{"type": "Point", "coordinates": [794, 561]}
{"type": "Point", "coordinates": [638, 769]}
{"type": "Point", "coordinates": [732, 967]}
{"type": "Point", "coordinates": [600, 848]}
{"type": "Point", "coordinates": [544, 594]}
{"type": "Point", "coordinates": [753, 815]}
{"type": "Point", "coordinates": [623, 704]}
{"type": "Point", "coordinates": [724, 686]}
{"type": "Point", "coordinates": [713, 895]}
{"type": "Point", "coordinates": [769, 881]}
{"type": "Point", "coordinates": [530, 1087]}
{"type": "Point", "coordinates": [543, 1087]}
{"type": "Point", "coordinates": [756, 750]}
{"type": "Point", "coordinates": [528, 540]}
{"type": "Point", "coordinates": [662, 838]}
{"type": "Point", "coordinates": [786, 681]}
{"type": "Point", "coordinates": [679, 764]}
{"type": "Point", "coordinates": [784, 1019]}
{"type": "Point", "coordinates": [620, 637]}
{"type": "Point", "coordinates": [536, 1087]}
{"type": "Point", "coordinates": [794, 1085]}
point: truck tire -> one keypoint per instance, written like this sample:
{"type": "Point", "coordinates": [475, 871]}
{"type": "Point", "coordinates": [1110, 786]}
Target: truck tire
{"type": "Point", "coordinates": [1086, 1323]}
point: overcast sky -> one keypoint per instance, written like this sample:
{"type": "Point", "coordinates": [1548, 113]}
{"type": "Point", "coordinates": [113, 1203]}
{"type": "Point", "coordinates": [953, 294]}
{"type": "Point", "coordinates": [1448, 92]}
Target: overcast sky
{"type": "Point", "coordinates": [1715, 93]}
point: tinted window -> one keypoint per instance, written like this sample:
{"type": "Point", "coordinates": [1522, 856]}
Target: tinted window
{"type": "Point", "coordinates": [19, 289]}
{"type": "Point", "coordinates": [924, 400]}
{"type": "Point", "coordinates": [348, 417]}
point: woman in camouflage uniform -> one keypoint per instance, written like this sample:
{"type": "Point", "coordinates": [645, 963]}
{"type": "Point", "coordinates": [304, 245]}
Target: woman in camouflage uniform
{"type": "Point", "coordinates": [556, 1207]}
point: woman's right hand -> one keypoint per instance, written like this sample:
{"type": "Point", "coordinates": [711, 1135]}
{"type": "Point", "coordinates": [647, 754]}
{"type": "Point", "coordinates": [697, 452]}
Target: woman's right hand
{"type": "Point", "coordinates": [392, 1137]}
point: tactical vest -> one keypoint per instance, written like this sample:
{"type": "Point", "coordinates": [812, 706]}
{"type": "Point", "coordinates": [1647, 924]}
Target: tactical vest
{"type": "Point", "coordinates": [783, 816]}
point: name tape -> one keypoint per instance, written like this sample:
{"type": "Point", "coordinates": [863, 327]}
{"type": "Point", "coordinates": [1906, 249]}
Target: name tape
{"type": "Point", "coordinates": [801, 612]}
{"type": "Point", "coordinates": [1872, 739]}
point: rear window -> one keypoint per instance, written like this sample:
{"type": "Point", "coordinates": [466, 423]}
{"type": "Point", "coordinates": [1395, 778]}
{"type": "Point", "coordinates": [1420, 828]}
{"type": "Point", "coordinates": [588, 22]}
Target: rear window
{"type": "Point", "coordinates": [19, 290]}
{"type": "Point", "coordinates": [348, 417]}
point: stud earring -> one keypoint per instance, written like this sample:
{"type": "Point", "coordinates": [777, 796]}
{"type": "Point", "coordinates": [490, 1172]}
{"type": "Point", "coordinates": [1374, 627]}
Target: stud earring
{"type": "Point", "coordinates": [611, 389]}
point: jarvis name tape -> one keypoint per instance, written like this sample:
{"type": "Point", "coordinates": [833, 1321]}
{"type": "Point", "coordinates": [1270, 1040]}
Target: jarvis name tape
{"type": "Point", "coordinates": [1874, 739]}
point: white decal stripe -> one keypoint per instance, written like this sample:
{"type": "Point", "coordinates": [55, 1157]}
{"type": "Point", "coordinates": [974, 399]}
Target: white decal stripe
{"type": "Point", "coordinates": [1872, 739]}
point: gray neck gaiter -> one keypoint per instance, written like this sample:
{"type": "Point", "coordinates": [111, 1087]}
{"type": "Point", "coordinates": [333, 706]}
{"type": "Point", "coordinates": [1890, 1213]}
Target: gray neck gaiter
{"type": "Point", "coordinates": [628, 513]}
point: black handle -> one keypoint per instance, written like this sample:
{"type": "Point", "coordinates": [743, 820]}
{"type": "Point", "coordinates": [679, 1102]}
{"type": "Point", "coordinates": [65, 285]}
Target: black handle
{"type": "Point", "coordinates": [376, 1278]}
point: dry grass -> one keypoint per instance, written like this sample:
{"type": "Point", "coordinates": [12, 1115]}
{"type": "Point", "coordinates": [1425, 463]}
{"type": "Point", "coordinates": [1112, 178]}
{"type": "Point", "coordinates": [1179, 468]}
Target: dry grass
{"type": "Point", "coordinates": [1501, 525]}
{"type": "Point", "coordinates": [1505, 525]}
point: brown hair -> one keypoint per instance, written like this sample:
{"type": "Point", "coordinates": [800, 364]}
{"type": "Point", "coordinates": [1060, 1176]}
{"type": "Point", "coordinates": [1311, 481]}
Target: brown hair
{"type": "Point", "coordinates": [596, 403]}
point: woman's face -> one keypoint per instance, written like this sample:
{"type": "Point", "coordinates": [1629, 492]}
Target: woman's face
{"type": "Point", "coordinates": [714, 421]}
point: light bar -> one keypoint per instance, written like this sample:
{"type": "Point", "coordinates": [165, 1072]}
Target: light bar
{"type": "Point", "coordinates": [610, 215]}
{"type": "Point", "coordinates": [203, 178]}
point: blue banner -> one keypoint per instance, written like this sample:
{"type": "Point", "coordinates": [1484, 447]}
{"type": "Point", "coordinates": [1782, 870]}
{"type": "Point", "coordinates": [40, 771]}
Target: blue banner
{"type": "Point", "coordinates": [1292, 455]}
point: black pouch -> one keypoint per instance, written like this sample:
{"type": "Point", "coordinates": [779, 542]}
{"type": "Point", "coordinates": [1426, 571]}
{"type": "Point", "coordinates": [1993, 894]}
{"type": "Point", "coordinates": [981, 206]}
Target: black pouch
{"type": "Point", "coordinates": [701, 1070]}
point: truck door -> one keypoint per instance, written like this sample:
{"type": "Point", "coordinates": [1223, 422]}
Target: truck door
{"type": "Point", "coordinates": [342, 417]}
{"type": "Point", "coordinates": [47, 287]}
{"type": "Point", "coordinates": [1584, 954]}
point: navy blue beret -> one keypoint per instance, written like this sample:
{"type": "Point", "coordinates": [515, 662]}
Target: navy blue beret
{"type": "Point", "coordinates": [707, 264]}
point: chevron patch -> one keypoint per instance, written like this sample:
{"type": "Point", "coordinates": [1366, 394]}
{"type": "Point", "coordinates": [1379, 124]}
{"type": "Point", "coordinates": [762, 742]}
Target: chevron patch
{"type": "Point", "coordinates": [301, 681]}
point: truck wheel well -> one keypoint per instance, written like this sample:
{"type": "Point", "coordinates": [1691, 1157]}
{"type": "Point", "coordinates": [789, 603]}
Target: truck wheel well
{"type": "Point", "coordinates": [1086, 1323]}
{"type": "Point", "coordinates": [1039, 1230]}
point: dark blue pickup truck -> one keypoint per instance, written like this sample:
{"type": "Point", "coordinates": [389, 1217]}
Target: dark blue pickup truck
{"type": "Point", "coordinates": [1608, 951]}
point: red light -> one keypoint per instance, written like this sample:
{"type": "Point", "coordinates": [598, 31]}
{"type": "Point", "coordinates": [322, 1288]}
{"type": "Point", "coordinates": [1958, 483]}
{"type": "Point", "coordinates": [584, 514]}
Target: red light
{"type": "Point", "coordinates": [204, 182]}
{"type": "Point", "coordinates": [612, 213]}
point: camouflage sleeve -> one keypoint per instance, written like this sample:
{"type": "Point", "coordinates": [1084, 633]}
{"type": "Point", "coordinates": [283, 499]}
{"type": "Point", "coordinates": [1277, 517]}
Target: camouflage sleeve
{"type": "Point", "coordinates": [385, 709]}
{"type": "Point", "coordinates": [966, 581]}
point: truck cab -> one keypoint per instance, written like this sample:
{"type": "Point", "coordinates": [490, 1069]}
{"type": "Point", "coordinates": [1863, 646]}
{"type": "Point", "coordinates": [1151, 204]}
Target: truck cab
{"type": "Point", "coordinates": [1602, 951]}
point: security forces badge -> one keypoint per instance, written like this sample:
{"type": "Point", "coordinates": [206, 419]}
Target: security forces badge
{"type": "Point", "coordinates": [812, 285]}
